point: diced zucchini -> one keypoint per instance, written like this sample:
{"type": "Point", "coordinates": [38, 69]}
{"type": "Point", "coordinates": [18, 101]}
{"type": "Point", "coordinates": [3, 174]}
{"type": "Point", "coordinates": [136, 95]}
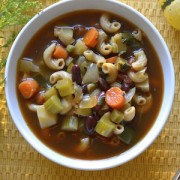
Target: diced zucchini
{"type": "Point", "coordinates": [70, 123]}
{"type": "Point", "coordinates": [104, 126]}
{"type": "Point", "coordinates": [116, 116]}
{"type": "Point", "coordinates": [65, 87]}
{"type": "Point", "coordinates": [53, 105]}
{"type": "Point", "coordinates": [46, 119]}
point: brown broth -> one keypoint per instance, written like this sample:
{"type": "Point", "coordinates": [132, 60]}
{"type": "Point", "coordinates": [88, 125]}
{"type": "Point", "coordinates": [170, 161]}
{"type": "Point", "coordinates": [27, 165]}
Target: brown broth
{"type": "Point", "coordinates": [142, 122]}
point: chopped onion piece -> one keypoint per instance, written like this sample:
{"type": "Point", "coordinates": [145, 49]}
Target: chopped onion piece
{"type": "Point", "coordinates": [88, 101]}
{"type": "Point", "coordinates": [92, 74]}
{"type": "Point", "coordinates": [129, 95]}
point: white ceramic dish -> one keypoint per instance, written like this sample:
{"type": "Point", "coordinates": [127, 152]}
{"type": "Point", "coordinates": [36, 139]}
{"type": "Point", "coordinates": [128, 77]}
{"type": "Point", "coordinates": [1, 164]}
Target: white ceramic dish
{"type": "Point", "coordinates": [64, 7]}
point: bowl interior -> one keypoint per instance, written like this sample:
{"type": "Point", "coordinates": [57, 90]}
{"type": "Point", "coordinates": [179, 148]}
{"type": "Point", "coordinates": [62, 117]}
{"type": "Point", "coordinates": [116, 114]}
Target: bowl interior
{"type": "Point", "coordinates": [68, 6]}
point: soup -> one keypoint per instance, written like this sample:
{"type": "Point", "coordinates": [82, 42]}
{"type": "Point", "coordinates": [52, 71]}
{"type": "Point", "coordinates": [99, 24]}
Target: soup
{"type": "Point", "coordinates": [89, 84]}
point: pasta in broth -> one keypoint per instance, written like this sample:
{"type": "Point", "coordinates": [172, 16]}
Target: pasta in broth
{"type": "Point", "coordinates": [89, 90]}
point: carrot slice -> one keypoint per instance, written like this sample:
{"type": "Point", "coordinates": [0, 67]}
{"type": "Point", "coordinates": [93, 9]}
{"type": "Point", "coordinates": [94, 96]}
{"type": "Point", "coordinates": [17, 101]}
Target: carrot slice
{"type": "Point", "coordinates": [115, 98]}
{"type": "Point", "coordinates": [28, 88]}
{"type": "Point", "coordinates": [112, 59]}
{"type": "Point", "coordinates": [60, 52]}
{"type": "Point", "coordinates": [40, 99]}
{"type": "Point", "coordinates": [91, 37]}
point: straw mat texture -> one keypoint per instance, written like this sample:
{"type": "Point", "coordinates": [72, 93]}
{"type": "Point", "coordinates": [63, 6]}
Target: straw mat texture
{"type": "Point", "coordinates": [18, 160]}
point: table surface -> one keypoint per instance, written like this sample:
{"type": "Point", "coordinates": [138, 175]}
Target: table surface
{"type": "Point", "coordinates": [18, 160]}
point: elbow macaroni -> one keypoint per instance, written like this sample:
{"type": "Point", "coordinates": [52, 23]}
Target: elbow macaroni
{"type": "Point", "coordinates": [137, 34]}
{"type": "Point", "coordinates": [141, 60]}
{"type": "Point", "coordinates": [102, 47]}
{"type": "Point", "coordinates": [139, 100]}
{"type": "Point", "coordinates": [110, 69]}
{"type": "Point", "coordinates": [116, 43]}
{"type": "Point", "coordinates": [129, 113]}
{"type": "Point", "coordinates": [54, 64]}
{"type": "Point", "coordinates": [107, 25]}
{"type": "Point", "coordinates": [138, 76]}
{"type": "Point", "coordinates": [58, 76]}
{"type": "Point", "coordinates": [91, 56]}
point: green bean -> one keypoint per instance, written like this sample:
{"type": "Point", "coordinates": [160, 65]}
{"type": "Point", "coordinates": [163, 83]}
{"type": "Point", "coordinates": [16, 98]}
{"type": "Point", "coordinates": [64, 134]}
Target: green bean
{"type": "Point", "coordinates": [70, 123]}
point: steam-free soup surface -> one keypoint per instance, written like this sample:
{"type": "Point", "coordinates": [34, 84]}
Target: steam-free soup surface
{"type": "Point", "coordinates": [65, 142]}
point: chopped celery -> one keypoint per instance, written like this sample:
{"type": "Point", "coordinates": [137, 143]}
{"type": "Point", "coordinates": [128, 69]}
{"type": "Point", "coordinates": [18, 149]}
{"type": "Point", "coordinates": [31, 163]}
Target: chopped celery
{"type": "Point", "coordinates": [104, 126]}
{"type": "Point", "coordinates": [70, 123]}
{"type": "Point", "coordinates": [69, 68]}
{"type": "Point", "coordinates": [53, 105]}
{"type": "Point", "coordinates": [65, 87]}
{"type": "Point", "coordinates": [83, 112]}
{"type": "Point", "coordinates": [46, 119]}
{"type": "Point", "coordinates": [128, 135]}
{"type": "Point", "coordinates": [116, 116]}
{"type": "Point", "coordinates": [70, 48]}
{"type": "Point", "coordinates": [50, 92]}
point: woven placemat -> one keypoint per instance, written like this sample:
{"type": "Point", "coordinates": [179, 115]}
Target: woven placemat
{"type": "Point", "coordinates": [18, 160]}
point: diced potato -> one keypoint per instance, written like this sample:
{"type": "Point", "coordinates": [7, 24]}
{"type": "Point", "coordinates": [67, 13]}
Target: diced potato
{"type": "Point", "coordinates": [46, 119]}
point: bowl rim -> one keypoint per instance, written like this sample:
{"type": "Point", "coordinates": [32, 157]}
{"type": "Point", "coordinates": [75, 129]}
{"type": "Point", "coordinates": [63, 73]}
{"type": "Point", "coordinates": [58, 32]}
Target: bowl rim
{"type": "Point", "coordinates": [102, 163]}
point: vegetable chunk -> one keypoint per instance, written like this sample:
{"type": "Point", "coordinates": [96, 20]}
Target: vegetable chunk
{"type": "Point", "coordinates": [28, 88]}
{"type": "Point", "coordinates": [46, 119]}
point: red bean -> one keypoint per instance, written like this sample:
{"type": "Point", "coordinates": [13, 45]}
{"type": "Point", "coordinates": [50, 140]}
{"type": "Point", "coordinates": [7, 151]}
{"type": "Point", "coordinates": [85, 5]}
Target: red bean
{"type": "Point", "coordinates": [79, 31]}
{"type": "Point", "coordinates": [90, 124]}
{"type": "Point", "coordinates": [76, 74]}
{"type": "Point", "coordinates": [103, 84]}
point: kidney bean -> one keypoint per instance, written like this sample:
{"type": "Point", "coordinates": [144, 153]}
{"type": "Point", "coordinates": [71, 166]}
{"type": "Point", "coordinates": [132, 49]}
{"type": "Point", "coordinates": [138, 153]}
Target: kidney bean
{"type": "Point", "coordinates": [124, 78]}
{"type": "Point", "coordinates": [125, 86]}
{"type": "Point", "coordinates": [76, 74]}
{"type": "Point", "coordinates": [96, 117]}
{"type": "Point", "coordinates": [79, 31]}
{"type": "Point", "coordinates": [103, 84]}
{"type": "Point", "coordinates": [101, 98]}
{"type": "Point", "coordinates": [90, 124]}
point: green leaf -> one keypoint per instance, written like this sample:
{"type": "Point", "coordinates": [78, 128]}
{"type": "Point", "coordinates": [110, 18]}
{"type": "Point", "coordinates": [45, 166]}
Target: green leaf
{"type": "Point", "coordinates": [166, 3]}
{"type": "Point", "coordinates": [17, 12]}
{"type": "Point", "coordinates": [131, 41]}
{"type": "Point", "coordinates": [10, 40]}
{"type": "Point", "coordinates": [2, 81]}
{"type": "Point", "coordinates": [2, 63]}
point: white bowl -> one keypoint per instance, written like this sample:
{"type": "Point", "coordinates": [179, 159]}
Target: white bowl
{"type": "Point", "coordinates": [120, 9]}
